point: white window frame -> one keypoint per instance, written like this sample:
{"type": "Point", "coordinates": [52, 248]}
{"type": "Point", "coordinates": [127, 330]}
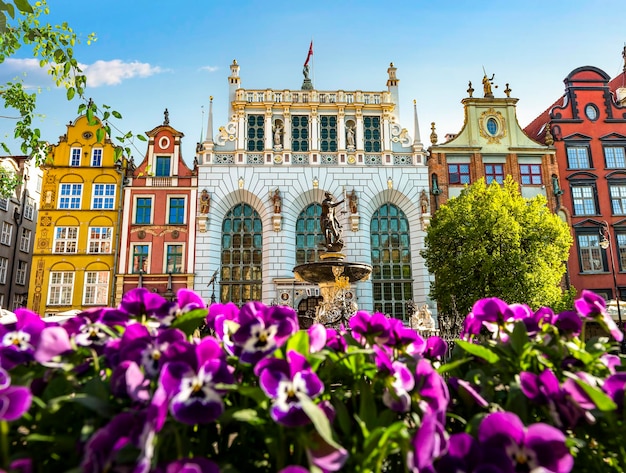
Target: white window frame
{"type": "Point", "coordinates": [616, 154]}
{"type": "Point", "coordinates": [4, 269]}
{"type": "Point", "coordinates": [1, 300]}
{"type": "Point", "coordinates": [7, 233]}
{"type": "Point", "coordinates": [96, 157]}
{"type": "Point", "coordinates": [132, 256]}
{"type": "Point", "coordinates": [61, 291]}
{"type": "Point", "coordinates": [74, 200]}
{"type": "Point", "coordinates": [75, 153]}
{"type": "Point", "coordinates": [152, 200]}
{"type": "Point", "coordinates": [96, 292]}
{"type": "Point", "coordinates": [65, 240]}
{"type": "Point", "coordinates": [29, 209]}
{"type": "Point", "coordinates": [593, 251]}
{"type": "Point", "coordinates": [98, 244]}
{"type": "Point", "coordinates": [4, 203]}
{"type": "Point", "coordinates": [25, 240]}
{"type": "Point", "coordinates": [169, 200]}
{"type": "Point", "coordinates": [18, 301]}
{"type": "Point", "coordinates": [100, 201]}
{"type": "Point", "coordinates": [182, 258]}
{"type": "Point", "coordinates": [20, 273]}
{"type": "Point", "coordinates": [581, 195]}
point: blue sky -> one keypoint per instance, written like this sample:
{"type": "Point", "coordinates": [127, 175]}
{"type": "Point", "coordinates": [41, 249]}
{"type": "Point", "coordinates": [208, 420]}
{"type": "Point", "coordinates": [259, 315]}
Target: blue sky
{"type": "Point", "coordinates": [152, 55]}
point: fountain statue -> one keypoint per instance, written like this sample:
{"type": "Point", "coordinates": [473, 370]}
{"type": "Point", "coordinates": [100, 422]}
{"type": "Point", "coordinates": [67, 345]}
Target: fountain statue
{"type": "Point", "coordinates": [332, 273]}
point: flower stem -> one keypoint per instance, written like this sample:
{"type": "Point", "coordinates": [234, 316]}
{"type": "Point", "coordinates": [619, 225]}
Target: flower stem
{"type": "Point", "coordinates": [4, 444]}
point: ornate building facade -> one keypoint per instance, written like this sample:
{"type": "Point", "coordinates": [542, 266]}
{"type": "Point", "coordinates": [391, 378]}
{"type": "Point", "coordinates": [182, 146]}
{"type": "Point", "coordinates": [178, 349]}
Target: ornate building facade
{"type": "Point", "coordinates": [18, 217]}
{"type": "Point", "coordinates": [266, 173]}
{"type": "Point", "coordinates": [587, 128]}
{"type": "Point", "coordinates": [491, 145]}
{"type": "Point", "coordinates": [80, 209]}
{"type": "Point", "coordinates": [157, 244]}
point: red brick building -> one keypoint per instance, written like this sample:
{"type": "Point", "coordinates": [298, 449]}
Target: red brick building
{"type": "Point", "coordinates": [587, 128]}
{"type": "Point", "coordinates": [157, 247]}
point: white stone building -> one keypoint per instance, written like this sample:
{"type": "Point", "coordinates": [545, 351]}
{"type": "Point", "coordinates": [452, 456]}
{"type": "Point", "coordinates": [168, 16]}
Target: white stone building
{"type": "Point", "coordinates": [303, 143]}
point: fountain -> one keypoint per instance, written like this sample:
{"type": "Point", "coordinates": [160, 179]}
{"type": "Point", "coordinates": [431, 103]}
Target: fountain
{"type": "Point", "coordinates": [332, 273]}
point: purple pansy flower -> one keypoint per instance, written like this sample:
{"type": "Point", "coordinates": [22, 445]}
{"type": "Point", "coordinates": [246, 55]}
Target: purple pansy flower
{"type": "Point", "coordinates": [194, 397]}
{"type": "Point", "coordinates": [436, 348]}
{"type": "Point", "coordinates": [398, 381]}
{"type": "Point", "coordinates": [192, 465]}
{"type": "Point", "coordinates": [431, 389]}
{"type": "Point", "coordinates": [569, 323]}
{"type": "Point", "coordinates": [429, 443]}
{"type": "Point", "coordinates": [14, 400]}
{"type": "Point", "coordinates": [539, 446]}
{"type": "Point", "coordinates": [317, 337]}
{"type": "Point", "coordinates": [287, 383]}
{"type": "Point", "coordinates": [592, 305]}
{"type": "Point", "coordinates": [400, 337]}
{"type": "Point", "coordinates": [95, 328]}
{"type": "Point", "coordinates": [498, 317]}
{"type": "Point", "coordinates": [370, 327]}
{"type": "Point", "coordinates": [140, 303]}
{"type": "Point", "coordinates": [615, 387]}
{"type": "Point", "coordinates": [467, 391]}
{"type": "Point", "coordinates": [294, 469]}
{"type": "Point", "coordinates": [463, 454]}
{"type": "Point", "coordinates": [19, 340]}
{"type": "Point", "coordinates": [186, 301]}
{"type": "Point", "coordinates": [324, 456]}
{"type": "Point", "coordinates": [335, 340]}
{"type": "Point", "coordinates": [262, 330]}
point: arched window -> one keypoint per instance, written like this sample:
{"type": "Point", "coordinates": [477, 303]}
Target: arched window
{"type": "Point", "coordinates": [391, 261]}
{"type": "Point", "coordinates": [309, 237]}
{"type": "Point", "coordinates": [242, 254]}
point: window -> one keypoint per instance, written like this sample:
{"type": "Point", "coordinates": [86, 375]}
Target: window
{"type": "Point", "coordinates": [177, 210]}
{"type": "Point", "coordinates": [1, 300]}
{"type": "Point", "coordinates": [20, 275]}
{"type": "Point", "coordinates": [371, 134]}
{"type": "Point", "coordinates": [39, 183]}
{"type": "Point", "coordinates": [61, 287]}
{"type": "Point", "coordinates": [65, 239]}
{"type": "Point", "coordinates": [143, 211]}
{"type": "Point", "coordinates": [494, 172]}
{"type": "Point", "coordinates": [140, 258]}
{"type": "Point", "coordinates": [242, 250]}
{"type": "Point", "coordinates": [492, 126]}
{"type": "Point", "coordinates": [174, 259]}
{"type": "Point", "coordinates": [70, 195]}
{"type": "Point", "coordinates": [19, 300]}
{"type": "Point", "coordinates": [578, 157]}
{"type": "Point", "coordinates": [584, 200]}
{"type": "Point", "coordinates": [7, 231]}
{"type": "Point", "coordinates": [621, 250]}
{"type": "Point", "coordinates": [4, 267]}
{"type": "Point", "coordinates": [29, 209]}
{"type": "Point", "coordinates": [96, 288]}
{"type": "Point", "coordinates": [530, 174]}
{"type": "Point", "coordinates": [103, 196]}
{"type": "Point", "coordinates": [25, 240]}
{"type": "Point", "coordinates": [592, 112]}
{"type": "Point", "coordinates": [328, 133]}
{"type": "Point", "coordinates": [75, 155]}
{"type": "Point", "coordinates": [618, 199]}
{"type": "Point", "coordinates": [96, 158]}
{"type": "Point", "coordinates": [309, 236]}
{"type": "Point", "coordinates": [299, 133]}
{"type": "Point", "coordinates": [256, 132]}
{"type": "Point", "coordinates": [590, 253]}
{"type": "Point", "coordinates": [163, 166]}
{"type": "Point", "coordinates": [615, 157]}
{"type": "Point", "coordinates": [4, 203]}
{"type": "Point", "coordinates": [100, 239]}
{"type": "Point", "coordinates": [458, 174]}
{"type": "Point", "coordinates": [392, 282]}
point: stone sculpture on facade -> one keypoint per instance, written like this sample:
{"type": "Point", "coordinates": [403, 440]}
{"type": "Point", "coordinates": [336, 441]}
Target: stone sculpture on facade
{"type": "Point", "coordinates": [330, 224]}
{"type": "Point", "coordinates": [205, 202]}
{"type": "Point", "coordinates": [277, 200]}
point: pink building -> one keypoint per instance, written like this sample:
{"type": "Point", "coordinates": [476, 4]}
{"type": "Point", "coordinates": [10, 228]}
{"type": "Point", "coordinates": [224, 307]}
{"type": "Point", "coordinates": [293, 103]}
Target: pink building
{"type": "Point", "coordinates": [157, 244]}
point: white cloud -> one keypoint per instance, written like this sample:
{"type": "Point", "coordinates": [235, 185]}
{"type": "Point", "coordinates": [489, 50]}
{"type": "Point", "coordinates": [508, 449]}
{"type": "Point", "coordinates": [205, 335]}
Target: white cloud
{"type": "Point", "coordinates": [209, 68]}
{"type": "Point", "coordinates": [114, 72]}
{"type": "Point", "coordinates": [98, 74]}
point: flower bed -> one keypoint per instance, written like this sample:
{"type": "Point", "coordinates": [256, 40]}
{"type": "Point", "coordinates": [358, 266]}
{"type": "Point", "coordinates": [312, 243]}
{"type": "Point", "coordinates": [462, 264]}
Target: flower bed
{"type": "Point", "coordinates": [168, 387]}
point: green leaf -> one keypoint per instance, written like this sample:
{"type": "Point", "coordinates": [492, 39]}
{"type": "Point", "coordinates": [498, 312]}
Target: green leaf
{"type": "Point", "coordinates": [299, 342]}
{"type": "Point", "coordinates": [478, 350]}
{"type": "Point", "coordinates": [190, 321]}
{"type": "Point", "coordinates": [23, 6]}
{"type": "Point", "coordinates": [319, 419]}
{"type": "Point", "coordinates": [90, 117]}
{"type": "Point", "coordinates": [519, 338]}
{"type": "Point", "coordinates": [100, 135]}
{"type": "Point", "coordinates": [599, 398]}
{"type": "Point", "coordinates": [71, 92]}
{"type": "Point", "coordinates": [449, 366]}
{"type": "Point", "coordinates": [117, 115]}
{"type": "Point", "coordinates": [141, 138]}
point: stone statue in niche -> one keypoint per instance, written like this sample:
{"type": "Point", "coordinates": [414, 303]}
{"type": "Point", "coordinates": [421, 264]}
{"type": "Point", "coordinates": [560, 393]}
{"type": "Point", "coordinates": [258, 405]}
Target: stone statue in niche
{"type": "Point", "coordinates": [278, 134]}
{"type": "Point", "coordinates": [424, 201]}
{"type": "Point", "coordinates": [277, 201]}
{"type": "Point", "coordinates": [353, 201]}
{"type": "Point", "coordinates": [350, 136]}
{"type": "Point", "coordinates": [205, 202]}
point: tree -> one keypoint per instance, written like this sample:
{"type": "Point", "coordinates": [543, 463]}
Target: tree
{"type": "Point", "coordinates": [23, 24]}
{"type": "Point", "coordinates": [492, 242]}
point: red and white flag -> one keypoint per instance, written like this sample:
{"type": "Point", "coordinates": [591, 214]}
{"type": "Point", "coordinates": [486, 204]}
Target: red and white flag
{"type": "Point", "coordinates": [308, 56]}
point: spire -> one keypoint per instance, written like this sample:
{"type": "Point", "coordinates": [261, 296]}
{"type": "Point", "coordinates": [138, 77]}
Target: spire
{"type": "Point", "coordinates": [417, 141]}
{"type": "Point", "coordinates": [209, 126]}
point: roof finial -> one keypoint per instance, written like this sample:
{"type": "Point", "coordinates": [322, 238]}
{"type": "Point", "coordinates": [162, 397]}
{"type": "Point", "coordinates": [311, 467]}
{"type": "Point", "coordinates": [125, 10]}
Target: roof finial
{"type": "Point", "coordinates": [433, 134]}
{"type": "Point", "coordinates": [470, 89]}
{"type": "Point", "coordinates": [166, 117]}
{"type": "Point", "coordinates": [624, 56]}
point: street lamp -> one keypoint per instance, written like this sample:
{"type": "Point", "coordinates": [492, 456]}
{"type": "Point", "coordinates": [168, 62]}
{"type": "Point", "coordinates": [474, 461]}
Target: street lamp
{"type": "Point", "coordinates": [605, 243]}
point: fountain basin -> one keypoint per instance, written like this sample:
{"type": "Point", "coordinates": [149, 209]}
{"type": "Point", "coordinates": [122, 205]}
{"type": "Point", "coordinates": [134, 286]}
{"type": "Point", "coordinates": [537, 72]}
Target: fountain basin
{"type": "Point", "coordinates": [326, 271]}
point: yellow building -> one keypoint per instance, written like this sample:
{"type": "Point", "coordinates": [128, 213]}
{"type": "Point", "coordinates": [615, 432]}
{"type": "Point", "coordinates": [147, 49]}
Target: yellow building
{"type": "Point", "coordinates": [75, 245]}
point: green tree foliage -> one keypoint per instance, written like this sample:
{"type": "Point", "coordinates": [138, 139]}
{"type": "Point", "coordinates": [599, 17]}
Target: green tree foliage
{"type": "Point", "coordinates": [492, 242]}
{"type": "Point", "coordinates": [23, 25]}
